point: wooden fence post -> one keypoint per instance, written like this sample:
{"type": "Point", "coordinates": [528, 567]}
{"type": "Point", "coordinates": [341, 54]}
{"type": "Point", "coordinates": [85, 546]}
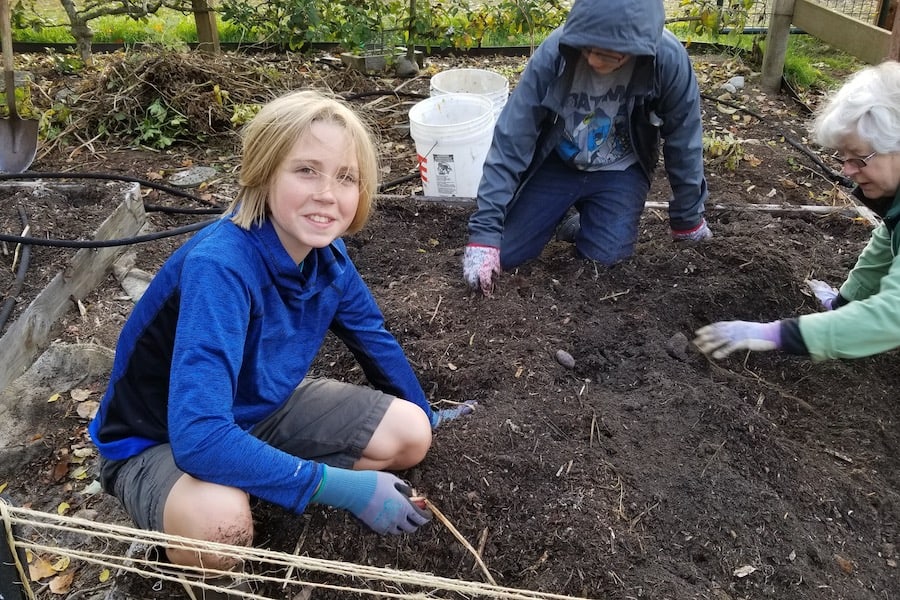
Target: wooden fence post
{"type": "Point", "coordinates": [776, 45]}
{"type": "Point", "coordinates": [207, 32]}
{"type": "Point", "coordinates": [894, 53]}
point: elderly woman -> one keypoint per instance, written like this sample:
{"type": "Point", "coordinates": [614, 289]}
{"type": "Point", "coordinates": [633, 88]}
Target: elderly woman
{"type": "Point", "coordinates": [862, 122]}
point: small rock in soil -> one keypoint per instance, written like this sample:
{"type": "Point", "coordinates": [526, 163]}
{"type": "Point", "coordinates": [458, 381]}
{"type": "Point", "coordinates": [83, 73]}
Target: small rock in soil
{"type": "Point", "coordinates": [565, 359]}
{"type": "Point", "coordinates": [677, 346]}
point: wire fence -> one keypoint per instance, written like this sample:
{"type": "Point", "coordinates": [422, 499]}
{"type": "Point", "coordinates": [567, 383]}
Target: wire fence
{"type": "Point", "coordinates": [863, 10]}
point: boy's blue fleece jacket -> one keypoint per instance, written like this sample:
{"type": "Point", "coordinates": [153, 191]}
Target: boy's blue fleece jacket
{"type": "Point", "coordinates": [223, 335]}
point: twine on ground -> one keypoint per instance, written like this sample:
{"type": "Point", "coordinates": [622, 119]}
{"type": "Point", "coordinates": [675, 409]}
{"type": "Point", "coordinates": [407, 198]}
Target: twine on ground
{"type": "Point", "coordinates": [11, 542]}
{"type": "Point", "coordinates": [270, 560]}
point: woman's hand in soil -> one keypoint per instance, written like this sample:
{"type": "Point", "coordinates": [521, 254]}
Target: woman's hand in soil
{"type": "Point", "coordinates": [378, 499]}
{"type": "Point", "coordinates": [823, 292]}
{"type": "Point", "coordinates": [724, 337]}
{"type": "Point", "coordinates": [439, 417]}
{"type": "Point", "coordinates": [480, 264]}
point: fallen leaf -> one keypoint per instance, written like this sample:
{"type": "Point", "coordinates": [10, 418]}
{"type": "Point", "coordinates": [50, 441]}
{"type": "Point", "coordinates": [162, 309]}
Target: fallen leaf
{"type": "Point", "coordinates": [53, 398]}
{"type": "Point", "coordinates": [62, 564]}
{"type": "Point", "coordinates": [86, 410]}
{"type": "Point", "coordinates": [92, 488]}
{"type": "Point", "coordinates": [61, 584]}
{"type": "Point", "coordinates": [3, 486]}
{"type": "Point", "coordinates": [63, 508]}
{"type": "Point", "coordinates": [845, 565]}
{"type": "Point", "coordinates": [80, 394]}
{"type": "Point", "coordinates": [60, 470]}
{"type": "Point", "coordinates": [744, 571]}
{"type": "Point", "coordinates": [451, 366]}
{"type": "Point", "coordinates": [104, 576]}
{"type": "Point", "coordinates": [725, 109]}
{"type": "Point", "coordinates": [80, 473]}
{"type": "Point", "coordinates": [40, 569]}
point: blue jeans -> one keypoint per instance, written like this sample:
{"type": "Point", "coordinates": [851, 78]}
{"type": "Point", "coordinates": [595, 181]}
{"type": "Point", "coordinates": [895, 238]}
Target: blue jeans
{"type": "Point", "coordinates": [610, 204]}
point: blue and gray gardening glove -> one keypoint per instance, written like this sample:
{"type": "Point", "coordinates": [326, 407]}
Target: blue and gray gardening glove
{"type": "Point", "coordinates": [378, 499]}
{"type": "Point", "coordinates": [695, 234]}
{"type": "Point", "coordinates": [724, 337]}
{"type": "Point", "coordinates": [439, 417]}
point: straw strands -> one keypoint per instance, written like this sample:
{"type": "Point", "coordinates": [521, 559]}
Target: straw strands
{"type": "Point", "coordinates": [350, 577]}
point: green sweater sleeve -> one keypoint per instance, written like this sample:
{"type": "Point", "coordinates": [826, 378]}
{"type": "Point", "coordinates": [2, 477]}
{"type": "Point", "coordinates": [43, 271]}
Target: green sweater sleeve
{"type": "Point", "coordinates": [870, 323]}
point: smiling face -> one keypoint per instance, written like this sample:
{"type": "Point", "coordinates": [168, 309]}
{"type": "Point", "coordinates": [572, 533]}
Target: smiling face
{"type": "Point", "coordinates": [880, 177]}
{"type": "Point", "coordinates": [314, 193]}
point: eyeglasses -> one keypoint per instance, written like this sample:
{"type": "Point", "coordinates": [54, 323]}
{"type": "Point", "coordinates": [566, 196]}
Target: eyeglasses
{"type": "Point", "coordinates": [604, 55]}
{"type": "Point", "coordinates": [857, 163]}
{"type": "Point", "coordinates": [322, 181]}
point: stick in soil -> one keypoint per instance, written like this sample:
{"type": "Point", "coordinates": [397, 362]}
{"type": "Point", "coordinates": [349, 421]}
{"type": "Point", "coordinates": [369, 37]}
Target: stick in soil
{"type": "Point", "coordinates": [440, 517]}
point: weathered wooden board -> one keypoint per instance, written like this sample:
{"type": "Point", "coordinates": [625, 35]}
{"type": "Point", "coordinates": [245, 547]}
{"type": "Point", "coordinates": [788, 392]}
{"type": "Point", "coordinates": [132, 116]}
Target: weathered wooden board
{"type": "Point", "coordinates": [31, 333]}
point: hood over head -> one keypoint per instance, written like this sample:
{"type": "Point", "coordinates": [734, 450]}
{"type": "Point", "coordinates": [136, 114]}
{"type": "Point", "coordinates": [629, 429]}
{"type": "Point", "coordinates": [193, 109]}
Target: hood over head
{"type": "Point", "coordinates": [628, 26]}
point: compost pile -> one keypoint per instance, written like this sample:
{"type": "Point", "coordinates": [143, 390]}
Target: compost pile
{"type": "Point", "coordinates": [643, 469]}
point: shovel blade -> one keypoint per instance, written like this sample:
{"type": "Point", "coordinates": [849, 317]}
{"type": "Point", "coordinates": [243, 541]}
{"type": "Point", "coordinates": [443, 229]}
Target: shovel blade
{"type": "Point", "coordinates": [18, 144]}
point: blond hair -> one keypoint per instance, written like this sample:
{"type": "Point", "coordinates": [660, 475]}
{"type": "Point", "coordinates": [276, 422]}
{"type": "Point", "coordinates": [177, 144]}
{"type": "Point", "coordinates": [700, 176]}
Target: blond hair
{"type": "Point", "coordinates": [269, 137]}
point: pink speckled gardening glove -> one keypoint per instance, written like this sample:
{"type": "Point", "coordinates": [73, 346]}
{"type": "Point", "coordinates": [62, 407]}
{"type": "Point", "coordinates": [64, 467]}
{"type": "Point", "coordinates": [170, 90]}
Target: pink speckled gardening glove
{"type": "Point", "coordinates": [480, 264]}
{"type": "Point", "coordinates": [696, 234]}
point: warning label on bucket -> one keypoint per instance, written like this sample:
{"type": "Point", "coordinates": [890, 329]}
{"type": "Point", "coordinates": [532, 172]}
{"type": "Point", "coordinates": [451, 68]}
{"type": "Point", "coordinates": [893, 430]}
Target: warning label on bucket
{"type": "Point", "coordinates": [446, 174]}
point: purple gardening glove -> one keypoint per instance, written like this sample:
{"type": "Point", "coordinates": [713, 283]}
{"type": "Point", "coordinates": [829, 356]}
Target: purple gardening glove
{"type": "Point", "coordinates": [695, 234]}
{"type": "Point", "coordinates": [439, 417]}
{"type": "Point", "coordinates": [725, 337]}
{"type": "Point", "coordinates": [378, 499]}
{"type": "Point", "coordinates": [480, 264]}
{"type": "Point", "coordinates": [823, 292]}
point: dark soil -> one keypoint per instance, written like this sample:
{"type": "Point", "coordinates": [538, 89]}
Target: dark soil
{"type": "Point", "coordinates": [644, 471]}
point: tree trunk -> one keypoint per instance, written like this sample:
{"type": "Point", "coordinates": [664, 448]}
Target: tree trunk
{"type": "Point", "coordinates": [80, 31]}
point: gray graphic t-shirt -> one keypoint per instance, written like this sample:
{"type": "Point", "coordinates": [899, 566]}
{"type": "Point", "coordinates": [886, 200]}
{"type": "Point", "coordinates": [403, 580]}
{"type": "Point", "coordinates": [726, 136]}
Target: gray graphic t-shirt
{"type": "Point", "coordinates": [596, 119]}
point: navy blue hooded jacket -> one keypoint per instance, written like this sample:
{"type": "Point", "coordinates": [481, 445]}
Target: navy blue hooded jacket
{"type": "Point", "coordinates": [663, 101]}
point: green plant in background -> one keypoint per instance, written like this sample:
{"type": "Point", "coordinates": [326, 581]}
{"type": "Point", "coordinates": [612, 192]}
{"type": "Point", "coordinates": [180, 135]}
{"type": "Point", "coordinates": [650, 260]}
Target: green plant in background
{"type": "Point", "coordinates": [161, 126]}
{"type": "Point", "coordinates": [358, 25]}
{"type": "Point", "coordinates": [289, 22]}
{"type": "Point", "coordinates": [723, 149]}
{"type": "Point", "coordinates": [811, 63]}
{"type": "Point", "coordinates": [23, 101]}
{"type": "Point", "coordinates": [712, 17]}
{"type": "Point", "coordinates": [54, 121]}
{"type": "Point", "coordinates": [243, 113]}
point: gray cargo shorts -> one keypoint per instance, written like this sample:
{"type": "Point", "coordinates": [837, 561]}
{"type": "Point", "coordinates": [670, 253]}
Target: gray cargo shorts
{"type": "Point", "coordinates": [324, 420]}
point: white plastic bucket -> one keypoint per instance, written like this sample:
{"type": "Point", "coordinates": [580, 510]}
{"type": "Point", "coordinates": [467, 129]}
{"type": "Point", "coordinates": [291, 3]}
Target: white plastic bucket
{"type": "Point", "coordinates": [452, 133]}
{"type": "Point", "coordinates": [493, 86]}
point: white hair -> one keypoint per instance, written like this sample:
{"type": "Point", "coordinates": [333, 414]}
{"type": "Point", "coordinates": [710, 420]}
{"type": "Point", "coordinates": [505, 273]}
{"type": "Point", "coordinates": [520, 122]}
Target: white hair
{"type": "Point", "coordinates": [867, 105]}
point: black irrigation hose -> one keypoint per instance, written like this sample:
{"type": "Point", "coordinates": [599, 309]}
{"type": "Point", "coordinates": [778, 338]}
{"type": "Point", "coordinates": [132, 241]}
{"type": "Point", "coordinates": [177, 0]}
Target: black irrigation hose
{"type": "Point", "coordinates": [27, 242]}
{"type": "Point", "coordinates": [175, 210]}
{"type": "Point", "coordinates": [107, 243]}
{"type": "Point", "coordinates": [16, 288]}
{"type": "Point", "coordinates": [395, 182]}
{"type": "Point", "coordinates": [359, 95]}
{"type": "Point", "coordinates": [828, 171]}
{"type": "Point", "coordinates": [105, 176]}
{"type": "Point", "coordinates": [120, 242]}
